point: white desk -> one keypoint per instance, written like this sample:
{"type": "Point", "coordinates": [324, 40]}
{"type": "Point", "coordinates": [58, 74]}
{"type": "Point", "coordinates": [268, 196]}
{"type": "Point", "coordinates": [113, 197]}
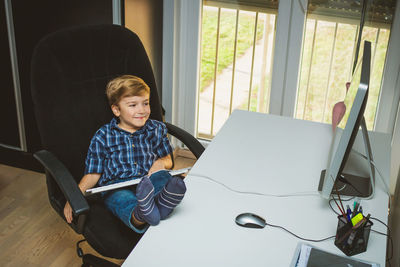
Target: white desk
{"type": "Point", "coordinates": [260, 153]}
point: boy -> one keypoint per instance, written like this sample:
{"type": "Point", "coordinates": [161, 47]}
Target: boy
{"type": "Point", "coordinates": [129, 147]}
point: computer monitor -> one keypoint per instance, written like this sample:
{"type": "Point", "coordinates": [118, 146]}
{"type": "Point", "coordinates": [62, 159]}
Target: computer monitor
{"type": "Point", "coordinates": [333, 180]}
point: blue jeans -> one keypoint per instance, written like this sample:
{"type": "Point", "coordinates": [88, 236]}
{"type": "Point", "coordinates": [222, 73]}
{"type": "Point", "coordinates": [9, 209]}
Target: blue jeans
{"type": "Point", "coordinates": [121, 202]}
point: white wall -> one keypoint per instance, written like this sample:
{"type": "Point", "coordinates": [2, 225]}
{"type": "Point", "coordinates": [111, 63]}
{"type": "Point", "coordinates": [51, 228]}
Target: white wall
{"type": "Point", "coordinates": [395, 164]}
{"type": "Point", "coordinates": [388, 114]}
{"type": "Point", "coordinates": [144, 17]}
{"type": "Point", "coordinates": [181, 48]}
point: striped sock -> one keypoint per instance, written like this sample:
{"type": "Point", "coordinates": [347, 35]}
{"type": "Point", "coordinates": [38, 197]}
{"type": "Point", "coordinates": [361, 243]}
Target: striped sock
{"type": "Point", "coordinates": [171, 195]}
{"type": "Point", "coordinates": [146, 210]}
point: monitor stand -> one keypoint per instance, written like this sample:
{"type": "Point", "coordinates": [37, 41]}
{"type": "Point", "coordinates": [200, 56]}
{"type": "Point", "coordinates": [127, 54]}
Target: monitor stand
{"type": "Point", "coordinates": [360, 186]}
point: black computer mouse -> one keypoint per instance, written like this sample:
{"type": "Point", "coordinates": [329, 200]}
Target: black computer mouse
{"type": "Point", "coordinates": [250, 220]}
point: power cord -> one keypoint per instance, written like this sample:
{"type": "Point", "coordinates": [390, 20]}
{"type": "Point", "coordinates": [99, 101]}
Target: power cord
{"type": "Point", "coordinates": [379, 174]}
{"type": "Point", "coordinates": [388, 258]}
{"type": "Point", "coordinates": [346, 182]}
{"type": "Point", "coordinates": [296, 194]}
{"type": "Point", "coordinates": [376, 168]}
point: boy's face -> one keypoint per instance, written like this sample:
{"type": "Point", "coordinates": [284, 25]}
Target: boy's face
{"type": "Point", "coordinates": [133, 112]}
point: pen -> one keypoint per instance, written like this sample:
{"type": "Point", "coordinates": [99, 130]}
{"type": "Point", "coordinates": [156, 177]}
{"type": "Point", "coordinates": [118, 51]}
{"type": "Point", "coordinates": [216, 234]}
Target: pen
{"type": "Point", "coordinates": [340, 201]}
{"type": "Point", "coordinates": [360, 210]}
{"type": "Point", "coordinates": [348, 213]}
{"type": "Point", "coordinates": [355, 209]}
{"type": "Point", "coordinates": [341, 211]}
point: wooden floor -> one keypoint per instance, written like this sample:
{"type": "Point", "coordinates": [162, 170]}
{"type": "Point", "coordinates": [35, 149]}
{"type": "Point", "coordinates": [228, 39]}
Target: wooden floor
{"type": "Point", "coordinates": [31, 233]}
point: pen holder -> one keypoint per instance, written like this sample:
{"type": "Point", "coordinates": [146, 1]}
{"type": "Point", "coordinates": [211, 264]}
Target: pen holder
{"type": "Point", "coordinates": [352, 240]}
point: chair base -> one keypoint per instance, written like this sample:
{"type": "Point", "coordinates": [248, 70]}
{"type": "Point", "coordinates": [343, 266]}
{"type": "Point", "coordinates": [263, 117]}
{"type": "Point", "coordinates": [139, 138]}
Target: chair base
{"type": "Point", "coordinates": [89, 260]}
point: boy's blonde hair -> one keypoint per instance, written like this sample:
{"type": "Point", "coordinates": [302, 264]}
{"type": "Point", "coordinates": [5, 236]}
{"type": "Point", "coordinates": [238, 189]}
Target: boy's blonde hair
{"type": "Point", "coordinates": [125, 85]}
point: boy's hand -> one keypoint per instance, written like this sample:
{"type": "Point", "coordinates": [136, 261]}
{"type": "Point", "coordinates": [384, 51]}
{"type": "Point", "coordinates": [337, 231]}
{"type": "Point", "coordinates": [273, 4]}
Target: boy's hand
{"type": "Point", "coordinates": [68, 212]}
{"type": "Point", "coordinates": [87, 181]}
{"type": "Point", "coordinates": [157, 165]}
{"type": "Point", "coordinates": [161, 164]}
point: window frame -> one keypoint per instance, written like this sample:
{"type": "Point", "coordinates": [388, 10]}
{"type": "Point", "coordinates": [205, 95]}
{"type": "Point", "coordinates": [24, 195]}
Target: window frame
{"type": "Point", "coordinates": [181, 49]}
{"type": "Point", "coordinates": [288, 49]}
{"type": "Point", "coordinates": [181, 53]}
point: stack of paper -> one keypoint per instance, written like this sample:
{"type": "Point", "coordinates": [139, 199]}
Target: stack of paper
{"type": "Point", "coordinates": [309, 256]}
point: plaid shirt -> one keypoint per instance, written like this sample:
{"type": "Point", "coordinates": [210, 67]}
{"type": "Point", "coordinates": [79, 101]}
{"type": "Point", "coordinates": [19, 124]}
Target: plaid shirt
{"type": "Point", "coordinates": [118, 154]}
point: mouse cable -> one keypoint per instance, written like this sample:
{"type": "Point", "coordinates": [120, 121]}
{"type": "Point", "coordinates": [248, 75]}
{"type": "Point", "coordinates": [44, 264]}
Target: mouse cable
{"type": "Point", "coordinates": [269, 195]}
{"type": "Point", "coordinates": [283, 195]}
{"type": "Point", "coordinates": [302, 238]}
{"type": "Point", "coordinates": [388, 258]}
{"type": "Point", "coordinates": [310, 193]}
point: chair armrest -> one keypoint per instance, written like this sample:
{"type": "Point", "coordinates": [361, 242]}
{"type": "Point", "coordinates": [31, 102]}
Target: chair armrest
{"type": "Point", "coordinates": [65, 181]}
{"type": "Point", "coordinates": [192, 143]}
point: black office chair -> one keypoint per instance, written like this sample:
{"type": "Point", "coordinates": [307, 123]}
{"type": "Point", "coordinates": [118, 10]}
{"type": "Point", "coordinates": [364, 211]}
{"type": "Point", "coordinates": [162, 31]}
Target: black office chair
{"type": "Point", "coordinates": [70, 70]}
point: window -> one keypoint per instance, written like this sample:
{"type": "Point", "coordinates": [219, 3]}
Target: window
{"type": "Point", "coordinates": [329, 50]}
{"type": "Point", "coordinates": [236, 59]}
{"type": "Point", "coordinates": [295, 52]}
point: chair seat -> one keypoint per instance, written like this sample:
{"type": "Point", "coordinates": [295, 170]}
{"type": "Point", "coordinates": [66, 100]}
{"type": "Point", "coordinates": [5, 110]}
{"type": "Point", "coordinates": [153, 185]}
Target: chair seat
{"type": "Point", "coordinates": [107, 234]}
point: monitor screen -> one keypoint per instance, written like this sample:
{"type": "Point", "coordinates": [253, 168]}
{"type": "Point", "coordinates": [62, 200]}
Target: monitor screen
{"type": "Point", "coordinates": [351, 94]}
{"type": "Point", "coordinates": [356, 101]}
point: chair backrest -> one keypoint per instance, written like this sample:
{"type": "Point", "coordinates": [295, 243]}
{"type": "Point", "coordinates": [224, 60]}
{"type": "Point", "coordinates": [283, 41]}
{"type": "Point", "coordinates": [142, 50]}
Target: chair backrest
{"type": "Point", "coordinates": [70, 70]}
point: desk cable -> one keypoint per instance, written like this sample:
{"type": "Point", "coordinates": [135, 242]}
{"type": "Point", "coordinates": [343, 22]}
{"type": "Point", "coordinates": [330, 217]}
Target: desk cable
{"type": "Point", "coordinates": [312, 193]}
{"type": "Point", "coordinates": [346, 182]}
{"type": "Point", "coordinates": [302, 238]}
{"type": "Point", "coordinates": [376, 168]}
{"type": "Point", "coordinates": [296, 194]}
{"type": "Point", "coordinates": [388, 258]}
{"type": "Point", "coordinates": [269, 195]}
{"type": "Point", "coordinates": [387, 191]}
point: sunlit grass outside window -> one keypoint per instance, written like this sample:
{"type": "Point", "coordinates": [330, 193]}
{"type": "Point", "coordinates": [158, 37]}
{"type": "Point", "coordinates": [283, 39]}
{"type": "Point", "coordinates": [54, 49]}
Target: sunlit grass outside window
{"type": "Point", "coordinates": [327, 62]}
{"type": "Point", "coordinates": [228, 82]}
{"type": "Point", "coordinates": [226, 39]}
{"type": "Point", "coordinates": [234, 51]}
